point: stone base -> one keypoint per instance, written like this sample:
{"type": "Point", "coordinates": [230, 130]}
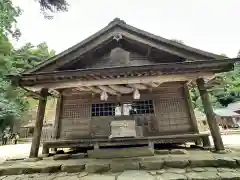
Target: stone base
{"type": "Point", "coordinates": [120, 153]}
{"type": "Point", "coordinates": [194, 165]}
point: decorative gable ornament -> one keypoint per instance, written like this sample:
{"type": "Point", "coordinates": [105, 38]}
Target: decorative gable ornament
{"type": "Point", "coordinates": [117, 37]}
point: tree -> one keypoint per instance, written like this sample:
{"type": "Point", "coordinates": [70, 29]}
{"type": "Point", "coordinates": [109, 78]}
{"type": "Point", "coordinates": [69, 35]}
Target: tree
{"type": "Point", "coordinates": [8, 15]}
{"type": "Point", "coordinates": [53, 5]}
{"type": "Point", "coordinates": [13, 103]}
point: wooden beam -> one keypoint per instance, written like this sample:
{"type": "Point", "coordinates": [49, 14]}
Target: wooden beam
{"type": "Point", "coordinates": [116, 81]}
{"type": "Point", "coordinates": [94, 89]}
{"type": "Point", "coordinates": [121, 89]}
{"type": "Point", "coordinates": [149, 51]}
{"type": "Point", "coordinates": [153, 84]}
{"type": "Point", "coordinates": [82, 88]}
{"type": "Point", "coordinates": [54, 93]}
{"type": "Point", "coordinates": [138, 86]}
{"type": "Point", "coordinates": [39, 124]}
{"type": "Point", "coordinates": [213, 125]}
{"type": "Point", "coordinates": [108, 90]}
{"type": "Point", "coordinates": [190, 108]}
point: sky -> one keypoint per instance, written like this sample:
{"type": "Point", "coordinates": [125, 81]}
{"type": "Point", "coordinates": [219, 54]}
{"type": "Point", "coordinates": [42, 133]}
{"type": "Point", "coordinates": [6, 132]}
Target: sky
{"type": "Point", "coordinates": [210, 25]}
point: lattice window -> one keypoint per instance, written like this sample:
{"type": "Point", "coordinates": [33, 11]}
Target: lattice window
{"type": "Point", "coordinates": [142, 107]}
{"type": "Point", "coordinates": [103, 109]}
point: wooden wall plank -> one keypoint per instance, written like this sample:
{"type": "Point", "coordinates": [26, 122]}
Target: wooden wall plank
{"type": "Point", "coordinates": [171, 114]}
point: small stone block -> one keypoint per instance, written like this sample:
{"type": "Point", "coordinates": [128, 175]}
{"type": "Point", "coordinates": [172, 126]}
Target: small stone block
{"type": "Point", "coordinates": [120, 153]}
{"type": "Point", "coordinates": [72, 168]}
{"type": "Point", "coordinates": [51, 169]}
{"type": "Point", "coordinates": [226, 170]}
{"type": "Point", "coordinates": [44, 156]}
{"type": "Point", "coordinates": [162, 152]}
{"type": "Point", "coordinates": [11, 171]}
{"type": "Point", "coordinates": [67, 178]}
{"type": "Point", "coordinates": [118, 166]}
{"type": "Point", "coordinates": [98, 177]}
{"type": "Point", "coordinates": [151, 165]}
{"type": "Point", "coordinates": [138, 175]}
{"type": "Point", "coordinates": [198, 169]}
{"type": "Point", "coordinates": [179, 151]}
{"type": "Point", "coordinates": [203, 162]}
{"type": "Point", "coordinates": [161, 171]}
{"type": "Point", "coordinates": [176, 163]}
{"type": "Point", "coordinates": [172, 176]}
{"type": "Point", "coordinates": [32, 159]}
{"type": "Point", "coordinates": [203, 176]}
{"type": "Point", "coordinates": [226, 162]}
{"type": "Point", "coordinates": [176, 170]}
{"type": "Point", "coordinates": [78, 156]}
{"type": "Point", "coordinates": [211, 169]}
{"type": "Point", "coordinates": [61, 156]}
{"type": "Point", "coordinates": [96, 168]}
{"type": "Point", "coordinates": [229, 175]}
{"type": "Point", "coordinates": [226, 151]}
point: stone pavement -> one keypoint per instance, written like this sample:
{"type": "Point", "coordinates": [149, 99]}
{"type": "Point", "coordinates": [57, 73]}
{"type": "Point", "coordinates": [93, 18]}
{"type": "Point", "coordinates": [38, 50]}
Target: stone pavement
{"type": "Point", "coordinates": [163, 174]}
{"type": "Point", "coordinates": [195, 165]}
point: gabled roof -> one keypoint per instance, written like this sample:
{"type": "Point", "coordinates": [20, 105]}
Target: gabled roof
{"type": "Point", "coordinates": [119, 26]}
{"type": "Point", "coordinates": [225, 112]}
{"type": "Point", "coordinates": [234, 106]}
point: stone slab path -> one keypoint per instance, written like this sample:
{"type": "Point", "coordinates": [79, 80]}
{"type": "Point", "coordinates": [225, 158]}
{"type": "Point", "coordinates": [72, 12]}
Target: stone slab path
{"type": "Point", "coordinates": [195, 165]}
{"type": "Point", "coordinates": [164, 174]}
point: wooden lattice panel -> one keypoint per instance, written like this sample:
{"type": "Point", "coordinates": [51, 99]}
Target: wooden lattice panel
{"type": "Point", "coordinates": [75, 118]}
{"type": "Point", "coordinates": [172, 113]}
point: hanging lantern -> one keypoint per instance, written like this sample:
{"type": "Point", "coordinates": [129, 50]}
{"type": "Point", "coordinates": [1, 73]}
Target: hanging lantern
{"type": "Point", "coordinates": [136, 94]}
{"type": "Point", "coordinates": [104, 96]}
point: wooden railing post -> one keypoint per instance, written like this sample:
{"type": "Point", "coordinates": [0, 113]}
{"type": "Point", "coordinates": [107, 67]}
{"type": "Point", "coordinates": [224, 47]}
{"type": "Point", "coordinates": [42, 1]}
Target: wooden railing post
{"type": "Point", "coordinates": [39, 123]}
{"type": "Point", "coordinates": [213, 125]}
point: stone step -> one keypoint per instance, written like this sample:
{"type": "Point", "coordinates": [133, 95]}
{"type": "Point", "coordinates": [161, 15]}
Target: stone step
{"type": "Point", "coordinates": [153, 164]}
{"type": "Point", "coordinates": [118, 165]}
{"type": "Point", "coordinates": [120, 153]}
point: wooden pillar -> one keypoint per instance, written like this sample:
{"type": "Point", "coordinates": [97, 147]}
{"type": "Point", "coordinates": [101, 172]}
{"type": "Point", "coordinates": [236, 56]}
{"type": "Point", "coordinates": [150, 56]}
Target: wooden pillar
{"type": "Point", "coordinates": [213, 125]}
{"type": "Point", "coordinates": [190, 108]}
{"type": "Point", "coordinates": [39, 123]}
{"type": "Point", "coordinates": [57, 125]}
{"type": "Point", "coordinates": [56, 132]}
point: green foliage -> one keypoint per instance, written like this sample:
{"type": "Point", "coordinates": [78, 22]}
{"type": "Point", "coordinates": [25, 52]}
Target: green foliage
{"type": "Point", "coordinates": [12, 101]}
{"type": "Point", "coordinates": [225, 89]}
{"type": "Point", "coordinates": [8, 15]}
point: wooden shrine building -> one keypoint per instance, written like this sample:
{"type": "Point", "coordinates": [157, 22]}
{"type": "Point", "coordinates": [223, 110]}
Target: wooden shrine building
{"type": "Point", "coordinates": [123, 85]}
